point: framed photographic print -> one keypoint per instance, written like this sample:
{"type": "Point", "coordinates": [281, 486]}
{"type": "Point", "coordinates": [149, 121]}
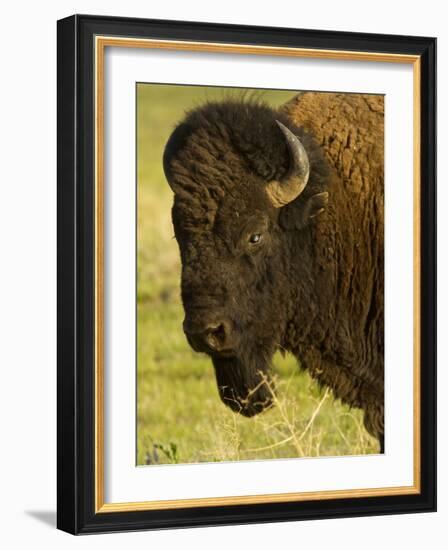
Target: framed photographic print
{"type": "Point", "coordinates": [246, 274]}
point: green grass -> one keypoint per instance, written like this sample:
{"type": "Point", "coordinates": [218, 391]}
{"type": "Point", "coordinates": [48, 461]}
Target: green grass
{"type": "Point", "coordinates": [180, 417]}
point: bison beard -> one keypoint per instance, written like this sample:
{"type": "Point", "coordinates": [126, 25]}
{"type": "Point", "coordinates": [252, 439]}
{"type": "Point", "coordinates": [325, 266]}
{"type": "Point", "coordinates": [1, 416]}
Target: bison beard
{"type": "Point", "coordinates": [244, 383]}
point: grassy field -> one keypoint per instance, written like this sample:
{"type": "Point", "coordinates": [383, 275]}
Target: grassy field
{"type": "Point", "coordinates": [180, 417]}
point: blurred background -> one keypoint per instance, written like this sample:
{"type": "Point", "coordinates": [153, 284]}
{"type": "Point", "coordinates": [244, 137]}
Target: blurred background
{"type": "Point", "coordinates": [180, 417]}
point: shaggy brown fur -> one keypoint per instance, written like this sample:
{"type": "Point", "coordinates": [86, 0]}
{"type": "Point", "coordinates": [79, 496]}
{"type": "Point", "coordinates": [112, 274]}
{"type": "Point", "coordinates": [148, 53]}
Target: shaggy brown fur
{"type": "Point", "coordinates": [313, 285]}
{"type": "Point", "coordinates": [345, 348]}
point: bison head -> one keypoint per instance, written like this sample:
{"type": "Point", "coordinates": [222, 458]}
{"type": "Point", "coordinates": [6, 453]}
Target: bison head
{"type": "Point", "coordinates": [236, 168]}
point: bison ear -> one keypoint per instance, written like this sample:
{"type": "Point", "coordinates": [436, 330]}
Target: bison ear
{"type": "Point", "coordinates": [299, 213]}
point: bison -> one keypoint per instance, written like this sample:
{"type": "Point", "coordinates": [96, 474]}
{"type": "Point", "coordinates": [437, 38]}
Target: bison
{"type": "Point", "coordinates": [279, 218]}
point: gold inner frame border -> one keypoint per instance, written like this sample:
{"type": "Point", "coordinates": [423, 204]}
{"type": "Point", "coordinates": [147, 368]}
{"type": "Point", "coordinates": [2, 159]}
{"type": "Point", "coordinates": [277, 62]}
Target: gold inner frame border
{"type": "Point", "coordinates": [100, 44]}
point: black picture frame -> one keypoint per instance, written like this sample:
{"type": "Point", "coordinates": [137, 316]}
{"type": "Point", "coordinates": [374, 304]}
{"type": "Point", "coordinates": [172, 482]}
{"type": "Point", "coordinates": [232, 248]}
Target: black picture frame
{"type": "Point", "coordinates": [76, 511]}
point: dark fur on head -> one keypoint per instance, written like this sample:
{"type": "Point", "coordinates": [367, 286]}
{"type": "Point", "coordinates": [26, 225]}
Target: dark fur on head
{"type": "Point", "coordinates": [219, 161]}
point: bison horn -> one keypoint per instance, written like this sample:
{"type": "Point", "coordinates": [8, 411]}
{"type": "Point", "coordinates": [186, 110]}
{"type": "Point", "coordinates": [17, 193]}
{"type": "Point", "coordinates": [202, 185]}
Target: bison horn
{"type": "Point", "coordinates": [291, 186]}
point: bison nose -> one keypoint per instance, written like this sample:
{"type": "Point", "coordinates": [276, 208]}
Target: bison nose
{"type": "Point", "coordinates": [217, 336]}
{"type": "Point", "coordinates": [209, 336]}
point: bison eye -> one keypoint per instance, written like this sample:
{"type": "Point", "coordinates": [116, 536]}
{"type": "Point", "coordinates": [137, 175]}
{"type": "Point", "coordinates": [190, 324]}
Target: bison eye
{"type": "Point", "coordinates": [255, 238]}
